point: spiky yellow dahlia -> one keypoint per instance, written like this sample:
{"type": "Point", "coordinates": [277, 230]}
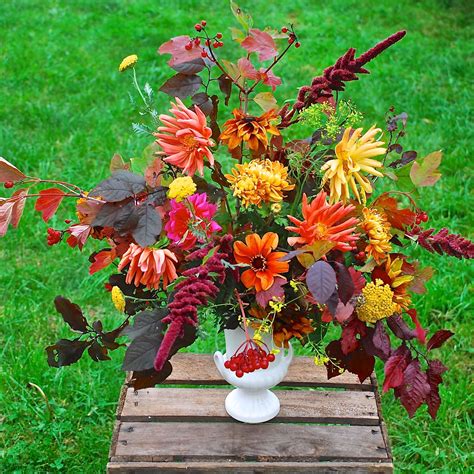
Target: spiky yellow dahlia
{"type": "Point", "coordinates": [249, 129]}
{"type": "Point", "coordinates": [354, 155]}
{"type": "Point", "coordinates": [259, 181]}
{"type": "Point", "coordinates": [377, 228]}
{"type": "Point", "coordinates": [376, 302]}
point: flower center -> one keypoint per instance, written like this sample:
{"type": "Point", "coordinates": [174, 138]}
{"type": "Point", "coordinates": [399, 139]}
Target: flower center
{"type": "Point", "coordinates": [320, 231]}
{"type": "Point", "coordinates": [189, 141]}
{"type": "Point", "coordinates": [258, 263]}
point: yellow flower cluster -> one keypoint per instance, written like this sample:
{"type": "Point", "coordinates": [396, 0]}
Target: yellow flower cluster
{"type": "Point", "coordinates": [376, 302]}
{"type": "Point", "coordinates": [128, 62]}
{"type": "Point", "coordinates": [377, 228]}
{"type": "Point", "coordinates": [320, 360]}
{"type": "Point", "coordinates": [118, 299]}
{"type": "Point", "coordinates": [259, 181]}
{"type": "Point", "coordinates": [181, 188]}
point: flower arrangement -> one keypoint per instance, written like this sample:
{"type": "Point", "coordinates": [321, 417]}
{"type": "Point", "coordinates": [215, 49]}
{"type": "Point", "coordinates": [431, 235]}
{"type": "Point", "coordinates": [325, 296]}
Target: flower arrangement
{"type": "Point", "coordinates": [251, 221]}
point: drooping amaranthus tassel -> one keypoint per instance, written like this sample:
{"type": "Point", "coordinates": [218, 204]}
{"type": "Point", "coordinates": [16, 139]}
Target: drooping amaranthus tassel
{"type": "Point", "coordinates": [198, 287]}
{"type": "Point", "coordinates": [344, 70]}
{"type": "Point", "coordinates": [443, 242]}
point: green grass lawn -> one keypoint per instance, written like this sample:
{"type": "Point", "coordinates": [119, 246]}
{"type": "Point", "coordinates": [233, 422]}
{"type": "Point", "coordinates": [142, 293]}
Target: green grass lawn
{"type": "Point", "coordinates": [64, 111]}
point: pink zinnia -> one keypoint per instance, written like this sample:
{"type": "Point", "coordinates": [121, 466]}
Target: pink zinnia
{"type": "Point", "coordinates": [185, 138]}
{"type": "Point", "coordinates": [148, 266]}
{"type": "Point", "coordinates": [184, 224]}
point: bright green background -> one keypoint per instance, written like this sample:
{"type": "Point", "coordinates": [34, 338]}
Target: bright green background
{"type": "Point", "coordinates": [64, 111]}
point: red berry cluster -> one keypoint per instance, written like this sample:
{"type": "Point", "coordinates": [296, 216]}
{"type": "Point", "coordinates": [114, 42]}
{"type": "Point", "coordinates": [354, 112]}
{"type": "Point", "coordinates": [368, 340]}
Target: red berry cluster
{"type": "Point", "coordinates": [421, 216]}
{"type": "Point", "coordinates": [249, 357]}
{"type": "Point", "coordinates": [360, 256]}
{"type": "Point", "coordinates": [54, 236]}
{"type": "Point", "coordinates": [8, 184]}
{"type": "Point", "coordinates": [291, 36]}
{"type": "Point", "coordinates": [215, 41]}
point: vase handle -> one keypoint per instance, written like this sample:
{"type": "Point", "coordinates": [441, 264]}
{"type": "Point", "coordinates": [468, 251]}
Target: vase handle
{"type": "Point", "coordinates": [288, 357]}
{"type": "Point", "coordinates": [219, 361]}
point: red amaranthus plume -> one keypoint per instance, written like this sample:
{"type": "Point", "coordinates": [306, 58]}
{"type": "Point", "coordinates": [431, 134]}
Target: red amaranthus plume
{"type": "Point", "coordinates": [443, 242]}
{"type": "Point", "coordinates": [198, 287]}
{"type": "Point", "coordinates": [346, 69]}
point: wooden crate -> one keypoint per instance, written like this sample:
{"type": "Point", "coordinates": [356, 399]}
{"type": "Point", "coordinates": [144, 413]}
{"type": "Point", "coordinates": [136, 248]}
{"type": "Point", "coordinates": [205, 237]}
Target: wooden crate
{"type": "Point", "coordinates": [323, 426]}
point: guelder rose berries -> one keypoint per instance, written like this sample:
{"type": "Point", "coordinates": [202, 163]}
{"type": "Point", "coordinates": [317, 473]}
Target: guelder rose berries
{"type": "Point", "coordinates": [249, 357]}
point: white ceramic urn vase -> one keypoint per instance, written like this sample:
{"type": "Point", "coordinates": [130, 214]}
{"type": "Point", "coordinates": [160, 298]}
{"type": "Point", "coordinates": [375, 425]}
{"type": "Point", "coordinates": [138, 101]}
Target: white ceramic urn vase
{"type": "Point", "coordinates": [252, 401]}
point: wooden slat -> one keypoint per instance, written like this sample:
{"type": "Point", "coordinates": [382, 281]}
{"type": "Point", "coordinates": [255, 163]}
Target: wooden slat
{"type": "Point", "coordinates": [199, 369]}
{"type": "Point", "coordinates": [251, 467]}
{"type": "Point", "coordinates": [187, 442]}
{"type": "Point", "coordinates": [207, 404]}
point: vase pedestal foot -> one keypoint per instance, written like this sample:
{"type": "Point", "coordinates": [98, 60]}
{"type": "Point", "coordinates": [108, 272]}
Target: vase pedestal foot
{"type": "Point", "coordinates": [252, 406]}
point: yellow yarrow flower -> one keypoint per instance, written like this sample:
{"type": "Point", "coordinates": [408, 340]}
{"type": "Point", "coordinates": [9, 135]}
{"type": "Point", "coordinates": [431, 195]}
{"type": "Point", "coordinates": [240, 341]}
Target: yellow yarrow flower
{"type": "Point", "coordinates": [376, 302]}
{"type": "Point", "coordinates": [128, 62]}
{"type": "Point", "coordinates": [181, 188]}
{"type": "Point", "coordinates": [320, 360]}
{"type": "Point", "coordinates": [354, 155]}
{"type": "Point", "coordinates": [377, 228]}
{"type": "Point", "coordinates": [259, 181]}
{"type": "Point", "coordinates": [276, 208]}
{"type": "Point", "coordinates": [118, 299]}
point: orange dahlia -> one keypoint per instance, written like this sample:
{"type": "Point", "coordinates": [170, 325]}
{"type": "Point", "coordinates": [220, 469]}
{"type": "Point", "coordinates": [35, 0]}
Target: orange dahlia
{"type": "Point", "coordinates": [251, 130]}
{"type": "Point", "coordinates": [323, 221]}
{"type": "Point", "coordinates": [185, 138]}
{"type": "Point", "coordinates": [265, 264]}
{"type": "Point", "coordinates": [148, 266]}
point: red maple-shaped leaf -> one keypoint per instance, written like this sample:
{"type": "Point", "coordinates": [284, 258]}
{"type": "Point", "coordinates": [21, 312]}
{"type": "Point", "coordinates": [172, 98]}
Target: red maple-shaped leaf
{"type": "Point", "coordinates": [399, 218]}
{"type": "Point", "coordinates": [101, 260]}
{"type": "Point", "coordinates": [439, 338]}
{"type": "Point", "coordinates": [48, 202]}
{"type": "Point", "coordinates": [349, 341]}
{"type": "Point", "coordinates": [434, 372]}
{"type": "Point", "coordinates": [414, 389]}
{"type": "Point", "coordinates": [179, 54]}
{"type": "Point", "coordinates": [395, 366]}
{"type": "Point", "coordinates": [8, 172]}
{"type": "Point", "coordinates": [260, 42]}
{"type": "Point", "coordinates": [79, 234]}
{"type": "Point", "coordinates": [358, 280]}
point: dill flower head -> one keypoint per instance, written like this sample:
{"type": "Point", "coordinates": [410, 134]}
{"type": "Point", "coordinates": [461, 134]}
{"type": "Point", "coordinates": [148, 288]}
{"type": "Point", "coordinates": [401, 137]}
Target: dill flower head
{"type": "Point", "coordinates": [376, 302]}
{"type": "Point", "coordinates": [377, 228]}
{"type": "Point", "coordinates": [251, 130]}
{"type": "Point", "coordinates": [354, 155]}
{"type": "Point", "coordinates": [259, 181]}
{"type": "Point", "coordinates": [118, 299]}
{"type": "Point", "coordinates": [128, 62]}
{"type": "Point", "coordinates": [181, 188]}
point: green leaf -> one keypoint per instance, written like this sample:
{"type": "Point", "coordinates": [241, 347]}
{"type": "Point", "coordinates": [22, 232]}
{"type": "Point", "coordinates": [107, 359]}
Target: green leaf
{"type": "Point", "coordinates": [266, 100]}
{"type": "Point", "coordinates": [140, 164]}
{"type": "Point", "coordinates": [245, 19]}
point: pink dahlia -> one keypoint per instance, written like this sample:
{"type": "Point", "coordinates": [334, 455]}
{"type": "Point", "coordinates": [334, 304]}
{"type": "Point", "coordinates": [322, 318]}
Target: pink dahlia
{"type": "Point", "coordinates": [185, 138]}
{"type": "Point", "coordinates": [191, 221]}
{"type": "Point", "coordinates": [148, 266]}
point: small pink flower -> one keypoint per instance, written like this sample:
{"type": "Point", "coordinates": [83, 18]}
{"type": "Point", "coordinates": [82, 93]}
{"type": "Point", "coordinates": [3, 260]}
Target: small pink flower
{"type": "Point", "coordinates": [185, 138]}
{"type": "Point", "coordinates": [182, 221]}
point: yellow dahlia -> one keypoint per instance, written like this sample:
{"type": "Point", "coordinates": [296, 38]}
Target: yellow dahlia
{"type": "Point", "coordinates": [354, 155]}
{"type": "Point", "coordinates": [128, 62]}
{"type": "Point", "coordinates": [118, 299]}
{"type": "Point", "coordinates": [181, 188]}
{"type": "Point", "coordinates": [376, 302]}
{"type": "Point", "coordinates": [251, 130]}
{"type": "Point", "coordinates": [377, 228]}
{"type": "Point", "coordinates": [259, 181]}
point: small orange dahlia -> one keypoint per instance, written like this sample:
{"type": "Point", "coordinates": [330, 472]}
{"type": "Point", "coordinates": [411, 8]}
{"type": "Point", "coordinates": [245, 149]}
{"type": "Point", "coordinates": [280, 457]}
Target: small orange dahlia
{"type": "Point", "coordinates": [259, 181]}
{"type": "Point", "coordinates": [185, 138]}
{"type": "Point", "coordinates": [249, 129]}
{"type": "Point", "coordinates": [148, 266]}
{"type": "Point", "coordinates": [265, 264]}
{"type": "Point", "coordinates": [323, 221]}
{"type": "Point", "coordinates": [377, 228]}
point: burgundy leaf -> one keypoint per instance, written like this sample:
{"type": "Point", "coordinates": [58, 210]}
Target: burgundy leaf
{"type": "Point", "coordinates": [225, 85]}
{"type": "Point", "coordinates": [275, 291]}
{"type": "Point", "coordinates": [415, 387]}
{"type": "Point", "coordinates": [65, 352]}
{"type": "Point", "coordinates": [395, 366]}
{"type": "Point", "coordinates": [190, 67]}
{"type": "Point", "coordinates": [439, 338]}
{"type": "Point", "coordinates": [400, 328]}
{"type": "Point", "coordinates": [345, 284]}
{"type": "Point", "coordinates": [71, 313]}
{"type": "Point", "coordinates": [182, 85]}
{"type": "Point", "coordinates": [434, 372]}
{"type": "Point", "coordinates": [343, 312]}
{"type": "Point", "coordinates": [321, 281]}
{"type": "Point", "coordinates": [349, 341]}
{"type": "Point", "coordinates": [204, 102]}
{"type": "Point", "coordinates": [381, 341]}
{"type": "Point", "coordinates": [148, 227]}
{"type": "Point", "coordinates": [121, 185]}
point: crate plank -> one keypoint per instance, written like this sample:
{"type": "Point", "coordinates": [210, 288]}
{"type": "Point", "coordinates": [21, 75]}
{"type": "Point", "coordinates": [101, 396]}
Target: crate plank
{"type": "Point", "coordinates": [251, 467]}
{"type": "Point", "coordinates": [206, 404]}
{"type": "Point", "coordinates": [186, 441]}
{"type": "Point", "coordinates": [199, 369]}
